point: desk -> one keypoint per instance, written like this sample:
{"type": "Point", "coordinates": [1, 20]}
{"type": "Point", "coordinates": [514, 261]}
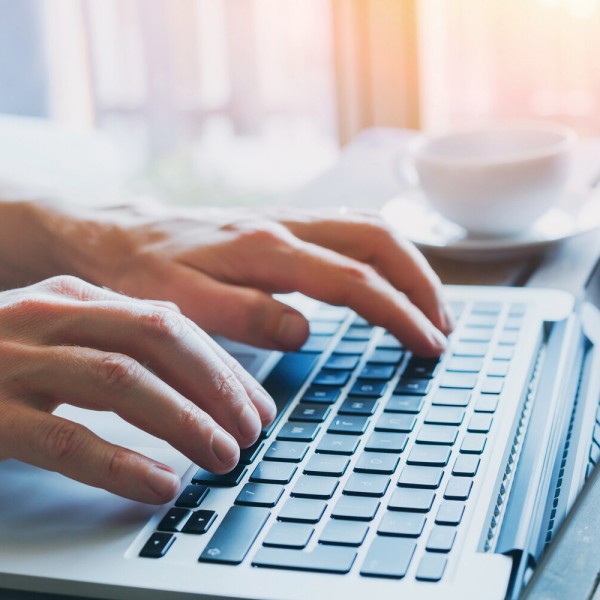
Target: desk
{"type": "Point", "coordinates": [565, 266]}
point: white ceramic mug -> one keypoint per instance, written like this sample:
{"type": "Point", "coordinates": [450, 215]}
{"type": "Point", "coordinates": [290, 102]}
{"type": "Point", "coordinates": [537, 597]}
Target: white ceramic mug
{"type": "Point", "coordinates": [495, 181]}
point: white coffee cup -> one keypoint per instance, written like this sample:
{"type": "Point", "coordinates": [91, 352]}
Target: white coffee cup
{"type": "Point", "coordinates": [497, 180]}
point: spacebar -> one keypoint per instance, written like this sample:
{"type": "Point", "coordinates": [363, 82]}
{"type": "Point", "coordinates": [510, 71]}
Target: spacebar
{"type": "Point", "coordinates": [326, 559]}
{"type": "Point", "coordinates": [284, 381]}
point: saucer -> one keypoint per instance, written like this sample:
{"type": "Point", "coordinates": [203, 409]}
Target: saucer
{"type": "Point", "coordinates": [416, 220]}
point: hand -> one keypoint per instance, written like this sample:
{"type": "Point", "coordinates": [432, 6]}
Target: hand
{"type": "Point", "coordinates": [222, 267]}
{"type": "Point", "coordinates": [66, 341]}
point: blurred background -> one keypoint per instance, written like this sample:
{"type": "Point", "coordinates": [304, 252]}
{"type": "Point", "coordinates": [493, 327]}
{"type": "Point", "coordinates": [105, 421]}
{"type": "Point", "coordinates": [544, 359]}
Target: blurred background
{"type": "Point", "coordinates": [241, 101]}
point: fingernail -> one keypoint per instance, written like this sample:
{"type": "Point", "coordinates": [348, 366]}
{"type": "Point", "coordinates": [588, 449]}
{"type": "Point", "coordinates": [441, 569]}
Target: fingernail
{"type": "Point", "coordinates": [249, 424]}
{"type": "Point", "coordinates": [265, 405]}
{"type": "Point", "coordinates": [224, 447]}
{"type": "Point", "coordinates": [438, 339]}
{"type": "Point", "coordinates": [447, 318]}
{"type": "Point", "coordinates": [293, 330]}
{"type": "Point", "coordinates": [163, 482]}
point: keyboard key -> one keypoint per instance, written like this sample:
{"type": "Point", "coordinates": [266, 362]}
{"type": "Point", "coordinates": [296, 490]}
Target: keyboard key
{"type": "Point", "coordinates": [326, 465]}
{"type": "Point", "coordinates": [451, 397]}
{"type": "Point", "coordinates": [458, 488]}
{"type": "Point", "coordinates": [273, 472]}
{"type": "Point", "coordinates": [323, 559]}
{"type": "Point", "coordinates": [437, 434]}
{"type": "Point", "coordinates": [377, 372]}
{"type": "Point", "coordinates": [330, 313]}
{"type": "Point", "coordinates": [230, 479]}
{"type": "Point", "coordinates": [358, 333]}
{"type": "Point", "coordinates": [192, 496]}
{"type": "Point", "coordinates": [302, 510]}
{"type": "Point", "coordinates": [338, 444]}
{"type": "Point", "coordinates": [431, 567]}
{"type": "Point", "coordinates": [471, 349]}
{"type": "Point", "coordinates": [486, 403]}
{"type": "Point", "coordinates": [366, 484]}
{"type": "Point", "coordinates": [445, 415]}
{"type": "Point", "coordinates": [492, 385]}
{"type": "Point", "coordinates": [466, 465]}
{"type": "Point", "coordinates": [386, 357]}
{"type": "Point", "coordinates": [235, 535]}
{"type": "Point", "coordinates": [421, 368]}
{"type": "Point", "coordinates": [298, 432]}
{"type": "Point", "coordinates": [404, 404]}
{"type": "Point", "coordinates": [259, 494]}
{"type": "Point", "coordinates": [324, 327]}
{"type": "Point", "coordinates": [441, 539]}
{"type": "Point", "coordinates": [450, 512]}
{"type": "Point", "coordinates": [513, 323]}
{"type": "Point", "coordinates": [473, 443]}
{"type": "Point", "coordinates": [413, 386]}
{"type": "Point", "coordinates": [386, 442]}
{"type": "Point", "coordinates": [481, 320]}
{"type": "Point", "coordinates": [312, 413]}
{"type": "Point", "coordinates": [332, 378]}
{"type": "Point", "coordinates": [321, 395]}
{"type": "Point", "coordinates": [341, 362]}
{"type": "Point", "coordinates": [465, 381]}
{"type": "Point", "coordinates": [480, 423]}
{"type": "Point", "coordinates": [158, 545]}
{"type": "Point", "coordinates": [476, 334]}
{"type": "Point", "coordinates": [508, 338]}
{"type": "Point", "coordinates": [375, 462]}
{"type": "Point", "coordinates": [420, 477]}
{"type": "Point", "coordinates": [487, 308]}
{"type": "Point", "coordinates": [309, 486]}
{"type": "Point", "coordinates": [396, 422]}
{"type": "Point", "coordinates": [503, 353]}
{"type": "Point", "coordinates": [173, 520]}
{"type": "Point", "coordinates": [498, 368]}
{"type": "Point", "coordinates": [355, 508]}
{"type": "Point", "coordinates": [388, 557]}
{"type": "Point", "coordinates": [284, 381]}
{"type": "Point", "coordinates": [368, 389]}
{"type": "Point", "coordinates": [358, 406]}
{"type": "Point", "coordinates": [351, 347]}
{"type": "Point", "coordinates": [517, 310]}
{"type": "Point", "coordinates": [200, 522]}
{"type": "Point", "coordinates": [250, 454]}
{"type": "Point", "coordinates": [349, 425]}
{"type": "Point", "coordinates": [316, 343]}
{"type": "Point", "coordinates": [288, 535]}
{"type": "Point", "coordinates": [388, 341]}
{"type": "Point", "coordinates": [435, 456]}
{"type": "Point", "coordinates": [405, 524]}
{"type": "Point", "coordinates": [411, 499]}
{"type": "Point", "coordinates": [286, 451]}
{"type": "Point", "coordinates": [462, 364]}
{"type": "Point", "coordinates": [344, 533]}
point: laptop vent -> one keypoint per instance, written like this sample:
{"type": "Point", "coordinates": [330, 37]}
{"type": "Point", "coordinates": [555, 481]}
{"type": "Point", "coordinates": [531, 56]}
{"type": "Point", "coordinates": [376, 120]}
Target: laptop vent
{"type": "Point", "coordinates": [552, 521]}
{"type": "Point", "coordinates": [515, 452]}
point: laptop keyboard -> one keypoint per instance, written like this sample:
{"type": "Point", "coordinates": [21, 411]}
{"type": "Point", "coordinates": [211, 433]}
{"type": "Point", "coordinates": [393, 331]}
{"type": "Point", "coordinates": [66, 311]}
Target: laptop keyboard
{"type": "Point", "coordinates": [378, 441]}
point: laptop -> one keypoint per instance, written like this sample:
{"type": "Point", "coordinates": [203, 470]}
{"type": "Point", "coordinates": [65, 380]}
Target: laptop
{"type": "Point", "coordinates": [385, 475]}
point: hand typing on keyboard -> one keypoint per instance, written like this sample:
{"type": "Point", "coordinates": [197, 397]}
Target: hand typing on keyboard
{"type": "Point", "coordinates": [67, 341]}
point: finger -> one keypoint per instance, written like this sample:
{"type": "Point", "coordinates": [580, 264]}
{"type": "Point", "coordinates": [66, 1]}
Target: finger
{"type": "Point", "coordinates": [244, 314]}
{"type": "Point", "coordinates": [367, 239]}
{"type": "Point", "coordinates": [108, 381]}
{"type": "Point", "coordinates": [56, 444]}
{"type": "Point", "coordinates": [171, 347]}
{"type": "Point", "coordinates": [331, 277]}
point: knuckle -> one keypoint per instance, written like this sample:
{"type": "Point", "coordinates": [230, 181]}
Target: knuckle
{"type": "Point", "coordinates": [359, 273]}
{"type": "Point", "coordinates": [65, 285]}
{"type": "Point", "coordinates": [191, 418]}
{"type": "Point", "coordinates": [165, 324]}
{"type": "Point", "coordinates": [225, 384]}
{"type": "Point", "coordinates": [63, 440]}
{"type": "Point", "coordinates": [117, 463]}
{"type": "Point", "coordinates": [119, 371]}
